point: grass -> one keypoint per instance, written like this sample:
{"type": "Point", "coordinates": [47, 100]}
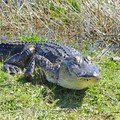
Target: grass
{"type": "Point", "coordinates": [37, 100]}
{"type": "Point", "coordinates": [66, 20]}
{"type": "Point", "coordinates": [73, 22]}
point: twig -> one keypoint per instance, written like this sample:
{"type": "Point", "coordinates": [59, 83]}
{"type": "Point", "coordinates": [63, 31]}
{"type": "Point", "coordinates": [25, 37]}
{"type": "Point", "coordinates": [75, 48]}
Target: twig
{"type": "Point", "coordinates": [5, 4]}
{"type": "Point", "coordinates": [3, 85]}
{"type": "Point", "coordinates": [104, 51]}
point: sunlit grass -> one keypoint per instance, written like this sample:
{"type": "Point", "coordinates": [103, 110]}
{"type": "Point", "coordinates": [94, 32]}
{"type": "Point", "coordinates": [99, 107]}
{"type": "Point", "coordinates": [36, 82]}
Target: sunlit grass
{"type": "Point", "coordinates": [43, 100]}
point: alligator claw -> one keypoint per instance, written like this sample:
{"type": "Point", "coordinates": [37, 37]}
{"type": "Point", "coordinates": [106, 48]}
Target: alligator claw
{"type": "Point", "coordinates": [12, 69]}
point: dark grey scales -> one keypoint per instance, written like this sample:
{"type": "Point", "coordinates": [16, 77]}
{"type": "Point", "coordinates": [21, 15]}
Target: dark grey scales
{"type": "Point", "coordinates": [61, 64]}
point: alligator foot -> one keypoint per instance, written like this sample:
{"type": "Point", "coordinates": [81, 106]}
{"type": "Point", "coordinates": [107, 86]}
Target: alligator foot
{"type": "Point", "coordinates": [12, 69]}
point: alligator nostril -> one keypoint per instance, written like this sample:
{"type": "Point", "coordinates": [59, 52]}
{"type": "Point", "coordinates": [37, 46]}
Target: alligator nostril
{"type": "Point", "coordinates": [96, 75]}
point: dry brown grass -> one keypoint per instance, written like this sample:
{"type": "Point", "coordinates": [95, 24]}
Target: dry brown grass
{"type": "Point", "coordinates": [70, 20]}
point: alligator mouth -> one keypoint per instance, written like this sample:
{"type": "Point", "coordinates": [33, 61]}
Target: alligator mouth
{"type": "Point", "coordinates": [89, 76]}
{"type": "Point", "coordinates": [95, 79]}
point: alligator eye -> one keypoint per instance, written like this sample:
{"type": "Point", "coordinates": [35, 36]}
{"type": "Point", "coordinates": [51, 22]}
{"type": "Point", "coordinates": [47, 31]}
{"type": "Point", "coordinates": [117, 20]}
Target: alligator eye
{"type": "Point", "coordinates": [87, 79]}
{"type": "Point", "coordinates": [88, 58]}
{"type": "Point", "coordinates": [78, 59]}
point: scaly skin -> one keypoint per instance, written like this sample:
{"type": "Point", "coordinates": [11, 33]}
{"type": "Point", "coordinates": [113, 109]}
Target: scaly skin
{"type": "Point", "coordinates": [62, 65]}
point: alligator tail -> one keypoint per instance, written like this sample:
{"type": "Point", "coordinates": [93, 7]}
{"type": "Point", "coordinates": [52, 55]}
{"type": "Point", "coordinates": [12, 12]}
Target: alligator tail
{"type": "Point", "coordinates": [8, 49]}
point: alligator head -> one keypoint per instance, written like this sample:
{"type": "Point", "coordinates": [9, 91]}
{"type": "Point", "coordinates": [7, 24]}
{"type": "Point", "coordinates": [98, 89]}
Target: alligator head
{"type": "Point", "coordinates": [78, 72]}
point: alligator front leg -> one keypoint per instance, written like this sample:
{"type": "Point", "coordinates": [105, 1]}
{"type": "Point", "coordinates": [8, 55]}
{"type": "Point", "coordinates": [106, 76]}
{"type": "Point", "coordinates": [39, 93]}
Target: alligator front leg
{"type": "Point", "coordinates": [17, 62]}
{"type": "Point", "coordinates": [40, 61]}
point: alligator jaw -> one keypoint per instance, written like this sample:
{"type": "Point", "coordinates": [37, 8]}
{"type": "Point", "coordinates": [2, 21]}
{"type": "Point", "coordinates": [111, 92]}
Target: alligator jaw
{"type": "Point", "coordinates": [77, 84]}
{"type": "Point", "coordinates": [95, 76]}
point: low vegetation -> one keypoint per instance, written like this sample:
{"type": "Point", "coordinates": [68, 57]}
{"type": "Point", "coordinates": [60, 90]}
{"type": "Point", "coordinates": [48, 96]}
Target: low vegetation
{"type": "Point", "coordinates": [67, 20]}
{"type": "Point", "coordinates": [89, 26]}
{"type": "Point", "coordinates": [41, 100]}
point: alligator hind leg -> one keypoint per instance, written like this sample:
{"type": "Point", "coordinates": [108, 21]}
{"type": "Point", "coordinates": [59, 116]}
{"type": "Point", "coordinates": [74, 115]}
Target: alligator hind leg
{"type": "Point", "coordinates": [40, 61]}
{"type": "Point", "coordinates": [17, 62]}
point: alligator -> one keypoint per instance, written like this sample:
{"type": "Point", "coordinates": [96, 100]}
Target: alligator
{"type": "Point", "coordinates": [62, 64]}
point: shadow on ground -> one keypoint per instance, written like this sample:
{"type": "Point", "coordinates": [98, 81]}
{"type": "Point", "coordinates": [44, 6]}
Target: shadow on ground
{"type": "Point", "coordinates": [65, 98]}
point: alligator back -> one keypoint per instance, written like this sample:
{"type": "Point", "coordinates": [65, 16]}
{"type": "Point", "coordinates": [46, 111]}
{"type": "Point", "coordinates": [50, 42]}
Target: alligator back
{"type": "Point", "coordinates": [8, 49]}
{"type": "Point", "coordinates": [55, 51]}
